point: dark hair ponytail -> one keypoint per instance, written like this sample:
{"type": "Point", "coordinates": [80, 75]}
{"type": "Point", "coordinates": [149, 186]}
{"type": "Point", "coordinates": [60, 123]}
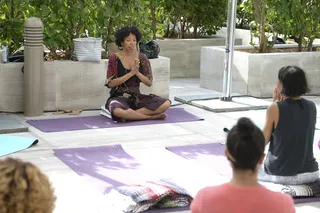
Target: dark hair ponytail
{"type": "Point", "coordinates": [245, 143]}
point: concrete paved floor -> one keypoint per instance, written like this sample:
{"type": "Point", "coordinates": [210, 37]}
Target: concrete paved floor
{"type": "Point", "coordinates": [76, 196]}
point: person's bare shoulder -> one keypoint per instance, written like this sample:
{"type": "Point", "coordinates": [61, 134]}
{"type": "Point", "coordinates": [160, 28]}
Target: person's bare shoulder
{"type": "Point", "coordinates": [272, 109]}
{"type": "Point", "coordinates": [273, 106]}
{"type": "Point", "coordinates": [118, 54]}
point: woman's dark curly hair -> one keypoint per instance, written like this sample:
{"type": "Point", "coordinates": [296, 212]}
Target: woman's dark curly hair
{"type": "Point", "coordinates": [124, 32]}
{"type": "Point", "coordinates": [24, 188]}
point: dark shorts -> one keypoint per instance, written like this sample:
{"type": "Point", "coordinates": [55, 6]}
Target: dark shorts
{"type": "Point", "coordinates": [151, 102]}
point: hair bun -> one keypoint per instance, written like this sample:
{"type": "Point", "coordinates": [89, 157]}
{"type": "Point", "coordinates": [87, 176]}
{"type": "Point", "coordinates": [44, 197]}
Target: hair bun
{"type": "Point", "coordinates": [245, 125]}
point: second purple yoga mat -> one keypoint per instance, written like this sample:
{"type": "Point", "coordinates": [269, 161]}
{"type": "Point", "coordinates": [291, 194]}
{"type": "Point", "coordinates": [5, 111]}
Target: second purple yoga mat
{"type": "Point", "coordinates": [212, 156]}
{"type": "Point", "coordinates": [174, 115]}
{"type": "Point", "coordinates": [105, 166]}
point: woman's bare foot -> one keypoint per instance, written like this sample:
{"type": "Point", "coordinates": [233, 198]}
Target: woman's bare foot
{"type": "Point", "coordinates": [161, 116]}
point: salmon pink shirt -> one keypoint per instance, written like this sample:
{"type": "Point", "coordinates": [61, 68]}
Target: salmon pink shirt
{"type": "Point", "coordinates": [228, 198]}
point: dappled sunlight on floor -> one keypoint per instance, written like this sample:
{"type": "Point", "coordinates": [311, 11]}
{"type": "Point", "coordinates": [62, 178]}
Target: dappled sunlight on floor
{"type": "Point", "coordinates": [145, 144]}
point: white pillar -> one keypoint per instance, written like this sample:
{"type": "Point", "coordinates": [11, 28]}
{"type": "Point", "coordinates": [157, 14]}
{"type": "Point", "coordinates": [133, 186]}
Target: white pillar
{"type": "Point", "coordinates": [33, 67]}
{"type": "Point", "coordinates": [228, 63]}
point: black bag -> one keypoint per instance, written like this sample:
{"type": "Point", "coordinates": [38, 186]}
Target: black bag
{"type": "Point", "coordinates": [151, 49]}
{"type": "Point", "coordinates": [18, 56]}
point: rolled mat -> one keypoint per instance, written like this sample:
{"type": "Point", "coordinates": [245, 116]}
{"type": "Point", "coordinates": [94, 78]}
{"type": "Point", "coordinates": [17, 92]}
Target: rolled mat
{"type": "Point", "coordinates": [174, 115]}
{"type": "Point", "coordinates": [10, 144]}
{"type": "Point", "coordinates": [212, 156]}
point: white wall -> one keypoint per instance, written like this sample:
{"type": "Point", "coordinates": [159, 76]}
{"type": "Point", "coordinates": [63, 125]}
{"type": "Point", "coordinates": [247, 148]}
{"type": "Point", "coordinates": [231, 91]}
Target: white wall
{"type": "Point", "coordinates": [184, 54]}
{"type": "Point", "coordinates": [239, 34]}
{"type": "Point", "coordinates": [256, 74]}
{"type": "Point", "coordinates": [72, 85]}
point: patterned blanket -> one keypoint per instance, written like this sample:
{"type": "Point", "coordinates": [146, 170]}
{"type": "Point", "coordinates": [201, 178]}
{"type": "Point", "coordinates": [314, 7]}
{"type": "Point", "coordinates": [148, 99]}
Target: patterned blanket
{"type": "Point", "coordinates": [141, 197]}
{"type": "Point", "coordinates": [305, 190]}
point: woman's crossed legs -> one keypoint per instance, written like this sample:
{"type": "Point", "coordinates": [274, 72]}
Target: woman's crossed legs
{"type": "Point", "coordinates": [121, 110]}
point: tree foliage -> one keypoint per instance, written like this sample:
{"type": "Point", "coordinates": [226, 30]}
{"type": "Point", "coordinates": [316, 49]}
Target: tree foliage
{"type": "Point", "coordinates": [65, 20]}
{"type": "Point", "coordinates": [244, 14]}
{"type": "Point", "coordinates": [298, 19]}
{"type": "Point", "coordinates": [204, 17]}
{"type": "Point", "coordinates": [12, 14]}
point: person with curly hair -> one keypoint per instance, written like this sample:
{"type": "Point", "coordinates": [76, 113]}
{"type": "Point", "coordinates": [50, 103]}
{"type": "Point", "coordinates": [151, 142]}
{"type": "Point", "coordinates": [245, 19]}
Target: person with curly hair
{"type": "Point", "coordinates": [126, 70]}
{"type": "Point", "coordinates": [24, 189]}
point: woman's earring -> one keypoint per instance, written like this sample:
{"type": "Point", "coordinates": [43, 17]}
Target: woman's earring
{"type": "Point", "coordinates": [121, 47]}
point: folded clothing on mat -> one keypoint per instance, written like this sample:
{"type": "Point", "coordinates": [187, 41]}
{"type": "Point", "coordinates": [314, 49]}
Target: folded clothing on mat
{"type": "Point", "coordinates": [304, 190]}
{"type": "Point", "coordinates": [105, 112]}
{"type": "Point", "coordinates": [141, 197]}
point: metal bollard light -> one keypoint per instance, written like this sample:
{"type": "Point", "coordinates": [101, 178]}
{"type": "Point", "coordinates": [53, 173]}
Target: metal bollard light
{"type": "Point", "coordinates": [33, 67]}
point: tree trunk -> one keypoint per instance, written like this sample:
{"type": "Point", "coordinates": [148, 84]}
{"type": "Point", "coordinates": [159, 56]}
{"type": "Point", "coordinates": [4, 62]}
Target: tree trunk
{"type": "Point", "coordinates": [154, 22]}
{"type": "Point", "coordinates": [263, 39]}
{"type": "Point", "coordinates": [172, 30]}
{"type": "Point", "coordinates": [300, 42]}
{"type": "Point", "coordinates": [311, 37]}
{"type": "Point", "coordinates": [259, 7]}
{"type": "Point", "coordinates": [110, 28]}
{"type": "Point", "coordinates": [182, 24]}
{"type": "Point", "coordinates": [53, 53]}
{"type": "Point", "coordinates": [166, 34]}
{"type": "Point", "coordinates": [195, 31]}
{"type": "Point", "coordinates": [310, 43]}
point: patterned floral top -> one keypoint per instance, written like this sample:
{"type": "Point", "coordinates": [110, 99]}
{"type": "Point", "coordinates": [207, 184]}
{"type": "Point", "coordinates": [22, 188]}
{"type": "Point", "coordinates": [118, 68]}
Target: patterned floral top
{"type": "Point", "coordinates": [131, 86]}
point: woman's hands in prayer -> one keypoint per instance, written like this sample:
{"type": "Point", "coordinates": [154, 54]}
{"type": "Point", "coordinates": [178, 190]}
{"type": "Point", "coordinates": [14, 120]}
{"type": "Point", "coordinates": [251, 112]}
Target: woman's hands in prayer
{"type": "Point", "coordinates": [277, 95]}
{"type": "Point", "coordinates": [135, 68]}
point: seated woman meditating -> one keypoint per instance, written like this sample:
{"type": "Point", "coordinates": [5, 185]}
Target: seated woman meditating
{"type": "Point", "coordinates": [289, 127]}
{"type": "Point", "coordinates": [243, 194]}
{"type": "Point", "coordinates": [126, 69]}
{"type": "Point", "coordinates": [24, 188]}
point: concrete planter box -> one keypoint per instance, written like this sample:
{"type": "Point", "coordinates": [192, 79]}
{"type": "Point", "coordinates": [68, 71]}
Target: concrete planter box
{"type": "Point", "coordinates": [242, 34]}
{"type": "Point", "coordinates": [245, 36]}
{"type": "Point", "coordinates": [255, 74]}
{"type": "Point", "coordinates": [184, 54]}
{"type": "Point", "coordinates": [73, 85]}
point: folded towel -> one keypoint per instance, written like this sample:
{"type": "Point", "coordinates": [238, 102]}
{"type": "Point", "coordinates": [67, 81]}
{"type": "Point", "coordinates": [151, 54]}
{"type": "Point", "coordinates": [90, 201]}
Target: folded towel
{"type": "Point", "coordinates": [295, 191]}
{"type": "Point", "coordinates": [141, 197]}
{"type": "Point", "coordinates": [105, 112]}
{"type": "Point", "coordinates": [305, 190]}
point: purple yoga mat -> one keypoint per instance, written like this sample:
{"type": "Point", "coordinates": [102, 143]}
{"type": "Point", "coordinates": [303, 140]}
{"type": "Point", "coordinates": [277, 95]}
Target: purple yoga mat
{"type": "Point", "coordinates": [212, 156]}
{"type": "Point", "coordinates": [106, 167]}
{"type": "Point", "coordinates": [174, 115]}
